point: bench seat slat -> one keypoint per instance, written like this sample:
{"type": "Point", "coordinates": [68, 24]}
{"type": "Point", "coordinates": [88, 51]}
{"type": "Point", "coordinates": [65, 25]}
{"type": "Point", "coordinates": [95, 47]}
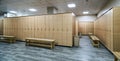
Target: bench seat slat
{"type": "Point", "coordinates": [39, 39]}
{"type": "Point", "coordinates": [117, 56]}
{"type": "Point", "coordinates": [5, 38]}
{"type": "Point", "coordinates": [40, 42]}
{"type": "Point", "coordinates": [95, 40]}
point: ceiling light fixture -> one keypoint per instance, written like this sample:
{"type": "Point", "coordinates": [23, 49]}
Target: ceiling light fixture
{"type": "Point", "coordinates": [32, 9]}
{"type": "Point", "coordinates": [86, 12]}
{"type": "Point", "coordinates": [13, 12]}
{"type": "Point", "coordinates": [71, 5]}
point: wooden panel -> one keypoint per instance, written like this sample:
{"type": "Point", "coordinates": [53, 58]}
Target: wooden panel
{"type": "Point", "coordinates": [36, 29]}
{"type": "Point", "coordinates": [103, 29]}
{"type": "Point", "coordinates": [107, 29]}
{"type": "Point", "coordinates": [1, 27]}
{"type": "Point", "coordinates": [55, 30]}
{"type": "Point", "coordinates": [86, 27]}
{"type": "Point", "coordinates": [4, 27]}
{"type": "Point", "coordinates": [16, 27]}
{"type": "Point", "coordinates": [116, 28]}
{"type": "Point", "coordinates": [24, 28]}
{"type": "Point", "coordinates": [89, 27]}
{"type": "Point", "coordinates": [82, 27]}
{"type": "Point", "coordinates": [59, 27]}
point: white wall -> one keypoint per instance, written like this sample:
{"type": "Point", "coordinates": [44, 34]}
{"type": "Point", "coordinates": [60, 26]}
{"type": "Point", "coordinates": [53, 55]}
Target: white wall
{"type": "Point", "coordinates": [86, 18]}
{"type": "Point", "coordinates": [109, 5]}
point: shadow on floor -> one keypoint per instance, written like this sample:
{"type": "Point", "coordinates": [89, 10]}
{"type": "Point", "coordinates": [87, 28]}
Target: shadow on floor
{"type": "Point", "coordinates": [86, 52]}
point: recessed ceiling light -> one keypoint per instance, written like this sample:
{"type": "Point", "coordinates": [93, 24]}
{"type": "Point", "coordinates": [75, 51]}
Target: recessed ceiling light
{"type": "Point", "coordinates": [32, 9]}
{"type": "Point", "coordinates": [86, 12]}
{"type": "Point", "coordinates": [71, 5]}
{"type": "Point", "coordinates": [12, 11]}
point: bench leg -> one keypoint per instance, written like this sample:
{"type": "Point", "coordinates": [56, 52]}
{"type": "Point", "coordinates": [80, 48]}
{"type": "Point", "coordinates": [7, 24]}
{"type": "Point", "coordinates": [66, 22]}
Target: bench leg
{"type": "Point", "coordinates": [52, 45]}
{"type": "Point", "coordinates": [115, 59]}
{"type": "Point", "coordinates": [98, 46]}
{"type": "Point", "coordinates": [11, 41]}
{"type": "Point", "coordinates": [27, 42]}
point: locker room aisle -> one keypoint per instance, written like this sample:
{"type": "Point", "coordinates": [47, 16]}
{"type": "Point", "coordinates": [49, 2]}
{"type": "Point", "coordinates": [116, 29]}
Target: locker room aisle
{"type": "Point", "coordinates": [86, 52]}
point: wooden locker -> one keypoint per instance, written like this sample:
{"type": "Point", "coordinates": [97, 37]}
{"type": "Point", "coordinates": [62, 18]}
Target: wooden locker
{"type": "Point", "coordinates": [58, 26]}
{"type": "Point", "coordinates": [21, 28]}
{"type": "Point", "coordinates": [35, 26]}
{"type": "Point", "coordinates": [107, 29]}
{"type": "Point", "coordinates": [76, 27]}
{"type": "Point", "coordinates": [69, 31]}
{"type": "Point", "coordinates": [59, 29]}
{"type": "Point", "coordinates": [82, 27]}
{"type": "Point", "coordinates": [55, 36]}
{"type": "Point", "coordinates": [24, 28]}
{"type": "Point", "coordinates": [47, 26]}
{"type": "Point", "coordinates": [39, 26]}
{"type": "Point", "coordinates": [13, 27]}
{"type": "Point", "coordinates": [51, 27]}
{"type": "Point", "coordinates": [28, 27]}
{"type": "Point", "coordinates": [65, 28]}
{"type": "Point", "coordinates": [16, 27]}
{"type": "Point", "coordinates": [37, 31]}
{"type": "Point", "coordinates": [4, 27]}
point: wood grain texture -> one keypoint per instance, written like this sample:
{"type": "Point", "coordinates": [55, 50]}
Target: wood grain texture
{"type": "Point", "coordinates": [86, 27]}
{"type": "Point", "coordinates": [1, 27]}
{"type": "Point", "coordinates": [116, 28]}
{"type": "Point", "coordinates": [59, 27]}
{"type": "Point", "coordinates": [107, 29]}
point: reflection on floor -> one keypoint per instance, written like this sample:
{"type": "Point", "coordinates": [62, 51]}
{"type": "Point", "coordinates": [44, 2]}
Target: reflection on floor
{"type": "Point", "coordinates": [86, 52]}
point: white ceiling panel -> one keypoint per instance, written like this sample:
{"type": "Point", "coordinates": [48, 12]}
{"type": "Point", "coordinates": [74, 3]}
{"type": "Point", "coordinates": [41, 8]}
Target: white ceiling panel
{"type": "Point", "coordinates": [22, 6]}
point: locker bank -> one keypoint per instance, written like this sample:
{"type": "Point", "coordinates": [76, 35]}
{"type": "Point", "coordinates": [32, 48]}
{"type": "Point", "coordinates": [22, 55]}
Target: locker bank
{"type": "Point", "coordinates": [59, 30]}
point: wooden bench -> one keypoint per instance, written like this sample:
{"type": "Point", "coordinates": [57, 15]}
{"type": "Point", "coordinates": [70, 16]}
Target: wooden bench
{"type": "Point", "coordinates": [117, 56]}
{"type": "Point", "coordinates": [90, 34]}
{"type": "Point", "coordinates": [10, 39]}
{"type": "Point", "coordinates": [40, 42]}
{"type": "Point", "coordinates": [95, 41]}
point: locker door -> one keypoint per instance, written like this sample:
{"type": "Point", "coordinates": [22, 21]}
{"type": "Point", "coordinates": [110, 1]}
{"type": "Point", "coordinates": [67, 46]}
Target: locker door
{"type": "Point", "coordinates": [16, 27]}
{"type": "Point", "coordinates": [59, 28]}
{"type": "Point", "coordinates": [4, 27]}
{"type": "Point", "coordinates": [24, 28]}
{"type": "Point", "coordinates": [35, 25]}
{"type": "Point", "coordinates": [29, 27]}
{"type": "Point", "coordinates": [43, 28]}
{"type": "Point", "coordinates": [51, 27]}
{"type": "Point", "coordinates": [39, 27]}
{"type": "Point", "coordinates": [55, 29]}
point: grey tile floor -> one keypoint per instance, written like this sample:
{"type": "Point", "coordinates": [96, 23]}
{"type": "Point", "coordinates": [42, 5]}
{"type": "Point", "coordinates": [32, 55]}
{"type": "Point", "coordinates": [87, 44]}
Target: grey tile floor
{"type": "Point", "coordinates": [86, 52]}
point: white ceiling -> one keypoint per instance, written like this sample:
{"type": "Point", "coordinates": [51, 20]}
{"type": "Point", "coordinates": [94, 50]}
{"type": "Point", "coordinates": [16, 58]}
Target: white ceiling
{"type": "Point", "coordinates": [22, 6]}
